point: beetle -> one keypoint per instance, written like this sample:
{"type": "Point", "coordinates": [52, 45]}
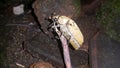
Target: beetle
{"type": "Point", "coordinates": [67, 27]}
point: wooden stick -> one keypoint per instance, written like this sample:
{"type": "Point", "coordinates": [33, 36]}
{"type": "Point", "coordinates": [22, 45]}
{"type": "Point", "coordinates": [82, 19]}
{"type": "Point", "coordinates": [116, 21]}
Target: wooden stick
{"type": "Point", "coordinates": [65, 52]}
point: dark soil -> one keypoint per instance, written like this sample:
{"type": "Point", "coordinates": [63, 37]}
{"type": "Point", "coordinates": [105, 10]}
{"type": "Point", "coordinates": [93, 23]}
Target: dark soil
{"type": "Point", "coordinates": [28, 42]}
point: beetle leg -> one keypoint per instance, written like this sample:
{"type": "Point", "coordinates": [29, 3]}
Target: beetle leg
{"type": "Point", "coordinates": [55, 27]}
{"type": "Point", "coordinates": [58, 32]}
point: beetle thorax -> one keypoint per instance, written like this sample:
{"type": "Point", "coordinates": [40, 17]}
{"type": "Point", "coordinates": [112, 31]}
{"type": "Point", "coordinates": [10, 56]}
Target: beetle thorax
{"type": "Point", "coordinates": [61, 19]}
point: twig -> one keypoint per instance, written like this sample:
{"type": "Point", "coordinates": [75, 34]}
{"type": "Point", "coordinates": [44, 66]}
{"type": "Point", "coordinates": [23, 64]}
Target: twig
{"type": "Point", "coordinates": [65, 52]}
{"type": "Point", "coordinates": [20, 65]}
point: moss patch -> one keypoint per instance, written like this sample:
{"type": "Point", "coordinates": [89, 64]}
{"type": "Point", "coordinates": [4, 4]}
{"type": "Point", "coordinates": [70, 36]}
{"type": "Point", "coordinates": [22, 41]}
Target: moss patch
{"type": "Point", "coordinates": [77, 4]}
{"type": "Point", "coordinates": [109, 16]}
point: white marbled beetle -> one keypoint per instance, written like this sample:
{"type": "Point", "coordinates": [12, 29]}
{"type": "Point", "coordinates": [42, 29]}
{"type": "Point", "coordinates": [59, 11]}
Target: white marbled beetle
{"type": "Point", "coordinates": [68, 28]}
